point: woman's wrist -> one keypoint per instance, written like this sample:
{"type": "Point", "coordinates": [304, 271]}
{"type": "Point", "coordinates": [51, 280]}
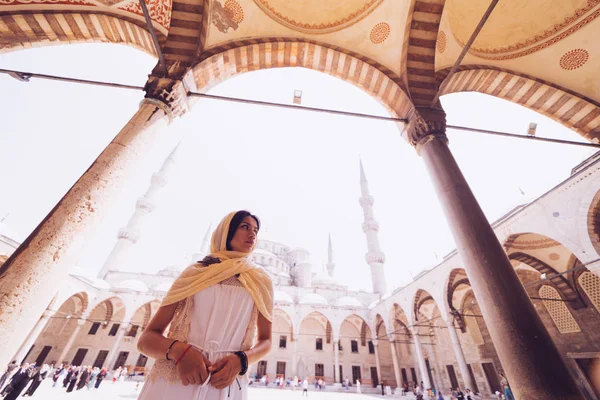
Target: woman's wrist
{"type": "Point", "coordinates": [177, 350]}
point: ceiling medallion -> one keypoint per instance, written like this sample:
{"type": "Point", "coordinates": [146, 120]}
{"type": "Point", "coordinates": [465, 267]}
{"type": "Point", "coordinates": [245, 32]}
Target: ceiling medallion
{"type": "Point", "coordinates": [317, 16]}
{"type": "Point", "coordinates": [574, 59]}
{"type": "Point", "coordinates": [554, 256]}
{"type": "Point", "coordinates": [234, 10]}
{"type": "Point", "coordinates": [380, 32]}
{"type": "Point", "coordinates": [441, 42]}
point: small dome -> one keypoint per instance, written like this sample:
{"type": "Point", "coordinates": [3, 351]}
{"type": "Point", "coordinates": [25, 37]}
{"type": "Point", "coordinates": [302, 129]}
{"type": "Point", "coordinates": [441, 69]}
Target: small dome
{"type": "Point", "coordinates": [262, 252]}
{"type": "Point", "coordinates": [132, 284]}
{"type": "Point", "coordinates": [313, 298]}
{"type": "Point", "coordinates": [282, 297]}
{"type": "Point", "coordinates": [348, 301]}
{"type": "Point", "coordinates": [9, 232]}
{"type": "Point", "coordinates": [163, 286]}
{"type": "Point", "coordinates": [101, 284]}
{"type": "Point", "coordinates": [171, 270]}
{"type": "Point", "coordinates": [324, 279]}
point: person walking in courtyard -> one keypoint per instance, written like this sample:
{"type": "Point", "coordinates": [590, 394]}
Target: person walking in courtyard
{"type": "Point", "coordinates": [85, 373]}
{"type": "Point", "coordinates": [213, 309]}
{"type": "Point", "coordinates": [506, 387]}
{"type": "Point", "coordinates": [459, 394]}
{"type": "Point", "coordinates": [37, 379]}
{"type": "Point", "coordinates": [9, 370]}
{"type": "Point", "coordinates": [358, 386]}
{"type": "Point", "coordinates": [73, 379]}
{"type": "Point", "coordinates": [305, 386]}
{"type": "Point", "coordinates": [19, 381]}
{"type": "Point", "coordinates": [100, 378]}
{"type": "Point", "coordinates": [93, 377]}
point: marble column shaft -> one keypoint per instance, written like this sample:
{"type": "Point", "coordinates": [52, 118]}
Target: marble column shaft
{"type": "Point", "coordinates": [336, 363]}
{"type": "Point", "coordinates": [460, 356]}
{"type": "Point", "coordinates": [396, 364]}
{"type": "Point", "coordinates": [33, 335]}
{"type": "Point", "coordinates": [29, 278]}
{"type": "Point", "coordinates": [534, 366]}
{"type": "Point", "coordinates": [421, 361]}
{"type": "Point", "coordinates": [114, 351]}
{"type": "Point", "coordinates": [63, 354]}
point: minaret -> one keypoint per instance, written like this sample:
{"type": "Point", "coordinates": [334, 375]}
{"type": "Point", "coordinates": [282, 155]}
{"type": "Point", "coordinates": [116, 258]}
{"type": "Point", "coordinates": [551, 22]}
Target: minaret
{"type": "Point", "coordinates": [330, 263]}
{"type": "Point", "coordinates": [375, 257]}
{"type": "Point", "coordinates": [130, 234]}
{"type": "Point", "coordinates": [203, 248]}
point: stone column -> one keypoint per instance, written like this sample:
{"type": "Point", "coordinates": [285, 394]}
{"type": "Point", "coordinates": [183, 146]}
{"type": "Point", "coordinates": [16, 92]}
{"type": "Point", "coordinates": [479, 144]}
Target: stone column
{"type": "Point", "coordinates": [336, 362]}
{"type": "Point", "coordinates": [377, 359]}
{"type": "Point", "coordinates": [460, 357]}
{"type": "Point", "coordinates": [294, 356]}
{"type": "Point", "coordinates": [532, 362]}
{"type": "Point", "coordinates": [395, 360]}
{"type": "Point", "coordinates": [28, 279]}
{"type": "Point", "coordinates": [114, 351]}
{"type": "Point", "coordinates": [421, 361]}
{"type": "Point", "coordinates": [33, 335]}
{"type": "Point", "coordinates": [63, 354]}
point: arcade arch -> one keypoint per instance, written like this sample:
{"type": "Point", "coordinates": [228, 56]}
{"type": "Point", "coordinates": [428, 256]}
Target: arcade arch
{"type": "Point", "coordinates": [315, 347]}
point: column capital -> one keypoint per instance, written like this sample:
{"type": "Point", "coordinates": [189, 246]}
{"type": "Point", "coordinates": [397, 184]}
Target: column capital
{"type": "Point", "coordinates": [375, 342]}
{"type": "Point", "coordinates": [168, 94]}
{"type": "Point", "coordinates": [424, 125]}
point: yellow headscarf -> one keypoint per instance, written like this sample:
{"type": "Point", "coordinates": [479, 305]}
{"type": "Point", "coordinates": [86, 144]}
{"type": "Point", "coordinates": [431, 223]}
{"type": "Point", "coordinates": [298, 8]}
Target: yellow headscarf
{"type": "Point", "coordinates": [196, 277]}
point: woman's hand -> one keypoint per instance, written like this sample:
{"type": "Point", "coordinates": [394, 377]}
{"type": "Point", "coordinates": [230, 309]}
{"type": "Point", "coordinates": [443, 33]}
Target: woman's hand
{"type": "Point", "coordinates": [224, 371]}
{"type": "Point", "coordinates": [193, 367]}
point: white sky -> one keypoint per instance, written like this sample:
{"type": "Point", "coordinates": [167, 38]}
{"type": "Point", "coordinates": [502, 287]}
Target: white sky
{"type": "Point", "coordinates": [297, 171]}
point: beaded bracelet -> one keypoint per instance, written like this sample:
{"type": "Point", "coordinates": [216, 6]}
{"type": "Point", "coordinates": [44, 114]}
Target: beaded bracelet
{"type": "Point", "coordinates": [243, 360]}
{"type": "Point", "coordinates": [169, 349]}
{"type": "Point", "coordinates": [183, 354]}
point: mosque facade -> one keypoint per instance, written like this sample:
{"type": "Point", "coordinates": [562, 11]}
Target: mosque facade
{"type": "Point", "coordinates": [431, 330]}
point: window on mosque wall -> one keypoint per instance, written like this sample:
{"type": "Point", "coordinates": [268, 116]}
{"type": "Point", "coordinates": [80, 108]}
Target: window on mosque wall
{"type": "Point", "coordinates": [94, 328]}
{"type": "Point", "coordinates": [133, 330]}
{"type": "Point", "coordinates": [282, 342]}
{"type": "Point", "coordinates": [590, 284]}
{"type": "Point", "coordinates": [371, 347]}
{"type": "Point", "coordinates": [114, 329]}
{"type": "Point", "coordinates": [261, 370]}
{"type": "Point", "coordinates": [340, 347]}
{"type": "Point", "coordinates": [142, 360]}
{"type": "Point", "coordinates": [319, 344]}
{"type": "Point", "coordinates": [280, 368]}
{"type": "Point", "coordinates": [354, 346]}
{"type": "Point", "coordinates": [319, 370]}
{"type": "Point", "coordinates": [558, 310]}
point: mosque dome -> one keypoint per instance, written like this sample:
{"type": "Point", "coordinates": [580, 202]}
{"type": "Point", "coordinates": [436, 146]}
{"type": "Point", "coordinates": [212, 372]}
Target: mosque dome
{"type": "Point", "coordinates": [132, 284]}
{"type": "Point", "coordinates": [101, 284]}
{"type": "Point", "coordinates": [262, 252]}
{"type": "Point", "coordinates": [9, 232]}
{"type": "Point", "coordinates": [171, 270]}
{"type": "Point", "coordinates": [324, 279]}
{"type": "Point", "coordinates": [163, 286]}
{"type": "Point", "coordinates": [348, 301]}
{"type": "Point", "coordinates": [282, 297]}
{"type": "Point", "coordinates": [313, 298]}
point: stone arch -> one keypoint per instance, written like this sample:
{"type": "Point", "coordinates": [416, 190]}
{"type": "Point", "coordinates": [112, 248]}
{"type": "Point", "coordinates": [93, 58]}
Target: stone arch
{"type": "Point", "coordinates": [314, 328]}
{"type": "Point", "coordinates": [25, 29]}
{"type": "Point", "coordinates": [381, 331]}
{"type": "Point", "coordinates": [570, 109]}
{"type": "Point", "coordinates": [278, 313]}
{"type": "Point", "coordinates": [142, 316]}
{"type": "Point", "coordinates": [399, 322]}
{"type": "Point", "coordinates": [69, 310]}
{"type": "Point", "coordinates": [358, 324]}
{"type": "Point", "coordinates": [470, 314]}
{"type": "Point", "coordinates": [257, 54]}
{"type": "Point", "coordinates": [108, 310]}
{"type": "Point", "coordinates": [550, 257]}
{"type": "Point", "coordinates": [593, 222]}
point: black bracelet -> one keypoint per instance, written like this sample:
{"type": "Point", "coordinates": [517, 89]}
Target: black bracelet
{"type": "Point", "coordinates": [169, 349]}
{"type": "Point", "coordinates": [244, 361]}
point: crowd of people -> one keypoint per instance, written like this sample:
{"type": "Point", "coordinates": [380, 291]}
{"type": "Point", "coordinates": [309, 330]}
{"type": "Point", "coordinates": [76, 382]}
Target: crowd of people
{"type": "Point", "coordinates": [73, 377]}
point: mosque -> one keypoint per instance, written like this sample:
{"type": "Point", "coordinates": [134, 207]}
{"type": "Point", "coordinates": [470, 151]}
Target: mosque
{"type": "Point", "coordinates": [519, 296]}
{"type": "Point", "coordinates": [430, 330]}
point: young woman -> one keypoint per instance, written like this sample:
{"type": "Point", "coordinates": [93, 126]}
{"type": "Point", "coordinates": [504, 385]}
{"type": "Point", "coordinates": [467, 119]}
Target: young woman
{"type": "Point", "coordinates": [213, 309]}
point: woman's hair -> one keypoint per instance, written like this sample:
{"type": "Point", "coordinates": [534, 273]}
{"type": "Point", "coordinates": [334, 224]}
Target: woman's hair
{"type": "Point", "coordinates": [235, 223]}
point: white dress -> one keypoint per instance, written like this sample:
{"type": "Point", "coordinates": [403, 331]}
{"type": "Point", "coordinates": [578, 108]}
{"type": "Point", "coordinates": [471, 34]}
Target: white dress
{"type": "Point", "coordinates": [219, 323]}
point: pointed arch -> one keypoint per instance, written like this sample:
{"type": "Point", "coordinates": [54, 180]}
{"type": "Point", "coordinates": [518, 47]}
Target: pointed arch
{"type": "Point", "coordinates": [264, 53]}
{"type": "Point", "coordinates": [28, 29]}
{"type": "Point", "coordinates": [568, 108]}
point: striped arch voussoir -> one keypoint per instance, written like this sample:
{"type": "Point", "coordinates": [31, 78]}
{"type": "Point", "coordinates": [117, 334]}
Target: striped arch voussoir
{"type": "Point", "coordinates": [566, 107]}
{"type": "Point", "coordinates": [26, 30]}
{"type": "Point", "coordinates": [218, 64]}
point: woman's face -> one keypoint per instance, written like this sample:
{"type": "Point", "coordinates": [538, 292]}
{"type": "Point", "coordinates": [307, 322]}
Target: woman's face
{"type": "Point", "coordinates": [244, 238]}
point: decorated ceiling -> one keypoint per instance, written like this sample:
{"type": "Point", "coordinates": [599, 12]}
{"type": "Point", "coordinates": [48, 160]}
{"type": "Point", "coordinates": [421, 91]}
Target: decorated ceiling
{"type": "Point", "coordinates": [413, 42]}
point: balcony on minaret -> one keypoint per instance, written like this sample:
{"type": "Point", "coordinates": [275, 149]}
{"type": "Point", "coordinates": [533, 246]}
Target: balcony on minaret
{"type": "Point", "coordinates": [375, 257]}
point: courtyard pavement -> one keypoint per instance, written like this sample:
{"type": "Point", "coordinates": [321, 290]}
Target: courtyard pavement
{"type": "Point", "coordinates": [127, 391]}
